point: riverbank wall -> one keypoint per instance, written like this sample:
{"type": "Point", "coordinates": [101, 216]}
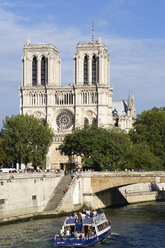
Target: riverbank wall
{"type": "Point", "coordinates": [27, 195]}
{"type": "Point", "coordinates": [24, 195]}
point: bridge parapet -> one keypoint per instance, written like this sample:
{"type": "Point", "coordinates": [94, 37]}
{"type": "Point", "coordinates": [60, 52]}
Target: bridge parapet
{"type": "Point", "coordinates": [99, 181]}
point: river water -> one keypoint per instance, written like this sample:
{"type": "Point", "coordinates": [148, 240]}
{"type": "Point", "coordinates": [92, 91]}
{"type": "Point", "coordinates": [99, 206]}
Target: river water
{"type": "Point", "coordinates": [138, 225]}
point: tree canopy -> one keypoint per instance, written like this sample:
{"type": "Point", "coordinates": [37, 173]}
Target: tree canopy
{"type": "Point", "coordinates": [149, 128]}
{"type": "Point", "coordinates": [99, 148]}
{"type": "Point", "coordinates": [4, 159]}
{"type": "Point", "coordinates": [26, 139]}
{"type": "Point", "coordinates": [113, 149]}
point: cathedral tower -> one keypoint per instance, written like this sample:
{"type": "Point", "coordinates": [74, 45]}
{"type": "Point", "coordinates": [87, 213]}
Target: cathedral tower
{"type": "Point", "coordinates": [91, 82]}
{"type": "Point", "coordinates": [87, 101]}
{"type": "Point", "coordinates": [91, 64]}
{"type": "Point", "coordinates": [41, 65]}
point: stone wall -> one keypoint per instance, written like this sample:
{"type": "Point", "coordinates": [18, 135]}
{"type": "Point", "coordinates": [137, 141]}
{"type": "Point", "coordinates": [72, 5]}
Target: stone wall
{"type": "Point", "coordinates": [25, 193]}
{"type": "Point", "coordinates": [104, 189]}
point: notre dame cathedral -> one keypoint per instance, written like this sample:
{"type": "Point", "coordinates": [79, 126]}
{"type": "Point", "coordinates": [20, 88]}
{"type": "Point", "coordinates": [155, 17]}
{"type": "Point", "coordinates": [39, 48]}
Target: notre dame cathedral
{"type": "Point", "coordinates": [87, 101]}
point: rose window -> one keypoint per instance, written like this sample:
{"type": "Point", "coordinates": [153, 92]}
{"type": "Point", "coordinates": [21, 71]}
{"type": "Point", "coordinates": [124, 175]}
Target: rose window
{"type": "Point", "coordinates": [64, 120]}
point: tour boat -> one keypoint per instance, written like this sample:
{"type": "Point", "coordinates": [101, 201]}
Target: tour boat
{"type": "Point", "coordinates": [83, 229]}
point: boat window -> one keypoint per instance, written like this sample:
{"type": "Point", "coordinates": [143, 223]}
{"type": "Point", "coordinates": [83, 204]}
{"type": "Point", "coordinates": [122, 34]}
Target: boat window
{"type": "Point", "coordinates": [102, 226]}
{"type": "Point", "coordinates": [72, 229]}
{"type": "Point", "coordinates": [86, 230]}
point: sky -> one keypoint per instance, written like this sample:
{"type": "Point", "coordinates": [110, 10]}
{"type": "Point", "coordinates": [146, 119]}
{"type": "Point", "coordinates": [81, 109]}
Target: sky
{"type": "Point", "coordinates": [132, 30]}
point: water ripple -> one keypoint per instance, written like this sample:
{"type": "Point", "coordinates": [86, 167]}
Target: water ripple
{"type": "Point", "coordinates": [134, 226]}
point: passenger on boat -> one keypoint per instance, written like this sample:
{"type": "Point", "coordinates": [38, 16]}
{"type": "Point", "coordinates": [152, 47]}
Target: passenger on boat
{"type": "Point", "coordinates": [83, 215]}
{"type": "Point", "coordinates": [78, 235]}
{"type": "Point", "coordinates": [94, 212]}
{"type": "Point", "coordinates": [79, 216]}
{"type": "Point", "coordinates": [75, 216]}
{"type": "Point", "coordinates": [61, 232]}
{"type": "Point", "coordinates": [68, 232]}
{"type": "Point", "coordinates": [83, 235]}
{"type": "Point", "coordinates": [88, 212]}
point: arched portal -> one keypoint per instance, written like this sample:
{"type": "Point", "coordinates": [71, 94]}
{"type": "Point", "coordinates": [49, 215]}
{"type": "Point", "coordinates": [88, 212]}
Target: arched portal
{"type": "Point", "coordinates": [34, 71]}
{"type": "Point", "coordinates": [86, 69]}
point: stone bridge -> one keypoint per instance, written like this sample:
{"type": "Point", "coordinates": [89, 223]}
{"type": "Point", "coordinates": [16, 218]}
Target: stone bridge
{"type": "Point", "coordinates": [25, 195]}
{"type": "Point", "coordinates": [103, 189]}
{"type": "Point", "coordinates": [100, 181]}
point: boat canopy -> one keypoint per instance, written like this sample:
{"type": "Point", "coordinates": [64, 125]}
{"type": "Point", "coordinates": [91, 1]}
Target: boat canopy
{"type": "Point", "coordinates": [85, 221]}
{"type": "Point", "coordinates": [78, 227]}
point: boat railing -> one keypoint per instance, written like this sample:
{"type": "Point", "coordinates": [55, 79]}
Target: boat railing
{"type": "Point", "coordinates": [69, 238]}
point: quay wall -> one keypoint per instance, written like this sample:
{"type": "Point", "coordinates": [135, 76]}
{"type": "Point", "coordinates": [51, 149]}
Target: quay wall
{"type": "Point", "coordinates": [26, 195]}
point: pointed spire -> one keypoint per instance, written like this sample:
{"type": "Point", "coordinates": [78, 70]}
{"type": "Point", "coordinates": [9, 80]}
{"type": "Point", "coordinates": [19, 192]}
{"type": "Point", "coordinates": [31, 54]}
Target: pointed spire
{"type": "Point", "coordinates": [129, 100]}
{"type": "Point", "coordinates": [133, 105]}
{"type": "Point", "coordinates": [28, 43]}
{"type": "Point", "coordinates": [133, 97]}
{"type": "Point", "coordinates": [93, 31]}
{"type": "Point", "coordinates": [99, 40]}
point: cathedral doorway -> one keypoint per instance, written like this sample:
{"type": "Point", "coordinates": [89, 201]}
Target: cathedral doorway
{"type": "Point", "coordinates": [61, 166]}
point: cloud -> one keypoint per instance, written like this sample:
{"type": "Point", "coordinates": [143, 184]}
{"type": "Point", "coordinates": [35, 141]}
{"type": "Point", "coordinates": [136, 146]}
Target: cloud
{"type": "Point", "coordinates": [117, 9]}
{"type": "Point", "coordinates": [101, 23]}
{"type": "Point", "coordinates": [136, 64]}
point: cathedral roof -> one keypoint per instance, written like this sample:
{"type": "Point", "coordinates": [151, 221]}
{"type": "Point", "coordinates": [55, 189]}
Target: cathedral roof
{"type": "Point", "coordinates": [92, 44]}
{"type": "Point", "coordinates": [120, 106]}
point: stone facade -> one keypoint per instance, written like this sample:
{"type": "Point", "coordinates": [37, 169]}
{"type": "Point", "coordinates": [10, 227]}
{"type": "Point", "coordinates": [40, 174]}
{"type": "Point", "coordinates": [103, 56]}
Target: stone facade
{"type": "Point", "coordinates": [87, 101]}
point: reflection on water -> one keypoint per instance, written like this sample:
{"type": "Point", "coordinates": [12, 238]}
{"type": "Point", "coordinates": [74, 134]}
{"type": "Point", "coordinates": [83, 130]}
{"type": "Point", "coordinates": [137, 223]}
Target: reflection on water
{"type": "Point", "coordinates": [138, 225]}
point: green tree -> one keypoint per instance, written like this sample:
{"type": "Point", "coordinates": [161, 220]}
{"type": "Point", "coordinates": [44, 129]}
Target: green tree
{"type": "Point", "coordinates": [122, 139]}
{"type": "Point", "coordinates": [26, 139]}
{"type": "Point", "coordinates": [4, 159]}
{"type": "Point", "coordinates": [99, 148]}
{"type": "Point", "coordinates": [140, 157]}
{"type": "Point", "coordinates": [149, 128]}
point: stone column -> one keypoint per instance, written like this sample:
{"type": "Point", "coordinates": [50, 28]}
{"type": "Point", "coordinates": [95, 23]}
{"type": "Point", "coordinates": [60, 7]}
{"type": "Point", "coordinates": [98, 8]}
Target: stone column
{"type": "Point", "coordinates": [75, 71]}
{"type": "Point", "coordinates": [28, 71]}
{"type": "Point", "coordinates": [50, 71]}
{"type": "Point", "coordinates": [24, 71]}
{"type": "Point", "coordinates": [105, 72]}
{"type": "Point", "coordinates": [108, 71]}
{"type": "Point", "coordinates": [77, 68]}
{"type": "Point", "coordinates": [100, 69]}
{"type": "Point", "coordinates": [81, 71]}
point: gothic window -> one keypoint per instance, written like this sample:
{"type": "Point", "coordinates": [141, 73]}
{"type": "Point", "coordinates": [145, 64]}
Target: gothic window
{"type": "Point", "coordinates": [70, 98]}
{"type": "Point", "coordinates": [94, 122]}
{"type": "Point", "coordinates": [93, 98]}
{"type": "Point", "coordinates": [34, 99]}
{"type": "Point", "coordinates": [86, 122]}
{"type": "Point", "coordinates": [30, 98]}
{"type": "Point", "coordinates": [42, 99]}
{"type": "Point", "coordinates": [64, 120]}
{"type": "Point", "coordinates": [97, 71]}
{"type": "Point", "coordinates": [84, 98]}
{"type": "Point", "coordinates": [44, 71]}
{"type": "Point", "coordinates": [45, 98]}
{"type": "Point", "coordinates": [86, 69]}
{"type": "Point", "coordinates": [56, 99]}
{"type": "Point", "coordinates": [34, 71]}
{"type": "Point", "coordinates": [94, 69]}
